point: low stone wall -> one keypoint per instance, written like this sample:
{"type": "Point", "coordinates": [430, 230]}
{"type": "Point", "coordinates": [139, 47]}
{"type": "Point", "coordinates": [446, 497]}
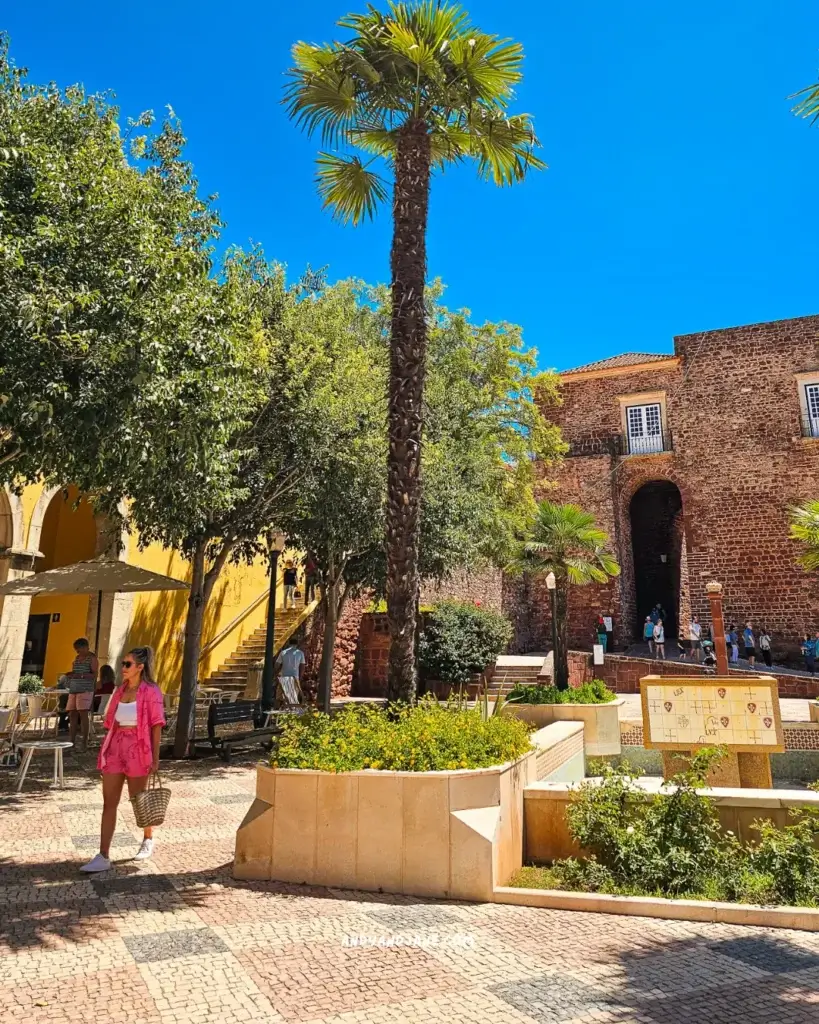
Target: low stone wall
{"type": "Point", "coordinates": [601, 722]}
{"type": "Point", "coordinates": [547, 832]}
{"type": "Point", "coordinates": [623, 674]}
{"type": "Point", "coordinates": [451, 834]}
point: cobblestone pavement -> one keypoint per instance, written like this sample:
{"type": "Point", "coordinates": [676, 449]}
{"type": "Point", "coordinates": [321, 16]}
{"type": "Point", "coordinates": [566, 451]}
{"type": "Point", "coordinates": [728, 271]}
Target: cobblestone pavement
{"type": "Point", "coordinates": [178, 941]}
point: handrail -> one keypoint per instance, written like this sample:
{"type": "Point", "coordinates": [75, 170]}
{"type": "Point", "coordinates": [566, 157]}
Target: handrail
{"type": "Point", "coordinates": [254, 604]}
{"type": "Point", "coordinates": [300, 619]}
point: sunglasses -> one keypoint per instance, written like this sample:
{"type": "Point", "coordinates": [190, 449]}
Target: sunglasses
{"type": "Point", "coordinates": [128, 664]}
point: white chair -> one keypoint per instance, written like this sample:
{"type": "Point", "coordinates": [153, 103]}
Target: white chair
{"type": "Point", "coordinates": [8, 720]}
{"type": "Point", "coordinates": [97, 717]}
{"type": "Point", "coordinates": [36, 722]}
{"type": "Point", "coordinates": [290, 699]}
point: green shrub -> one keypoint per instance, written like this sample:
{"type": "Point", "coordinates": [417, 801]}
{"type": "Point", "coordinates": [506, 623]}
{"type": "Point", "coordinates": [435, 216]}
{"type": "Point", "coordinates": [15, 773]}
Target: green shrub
{"type": "Point", "coordinates": [460, 639]}
{"type": "Point", "coordinates": [593, 692]}
{"type": "Point", "coordinates": [29, 683]}
{"type": "Point", "coordinates": [671, 845]}
{"type": "Point", "coordinates": [427, 737]}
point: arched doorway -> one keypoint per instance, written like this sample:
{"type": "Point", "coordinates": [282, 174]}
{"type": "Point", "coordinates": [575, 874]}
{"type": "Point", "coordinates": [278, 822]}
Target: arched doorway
{"type": "Point", "coordinates": [658, 548]}
{"type": "Point", "coordinates": [68, 534]}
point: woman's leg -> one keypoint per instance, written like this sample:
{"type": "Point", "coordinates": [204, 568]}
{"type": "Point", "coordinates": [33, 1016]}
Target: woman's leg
{"type": "Point", "coordinates": [72, 725]}
{"type": "Point", "coordinates": [136, 783]}
{"type": "Point", "coordinates": [84, 726]}
{"type": "Point", "coordinates": [111, 792]}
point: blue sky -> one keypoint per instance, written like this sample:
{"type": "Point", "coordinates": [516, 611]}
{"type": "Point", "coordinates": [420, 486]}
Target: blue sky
{"type": "Point", "coordinates": [680, 195]}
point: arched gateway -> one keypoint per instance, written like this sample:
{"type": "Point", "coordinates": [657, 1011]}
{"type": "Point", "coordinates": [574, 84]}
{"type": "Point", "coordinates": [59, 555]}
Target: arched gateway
{"type": "Point", "coordinates": [658, 549]}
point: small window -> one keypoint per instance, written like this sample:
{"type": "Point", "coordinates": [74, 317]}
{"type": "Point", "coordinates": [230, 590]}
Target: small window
{"type": "Point", "coordinates": [645, 428]}
{"type": "Point", "coordinates": [812, 408]}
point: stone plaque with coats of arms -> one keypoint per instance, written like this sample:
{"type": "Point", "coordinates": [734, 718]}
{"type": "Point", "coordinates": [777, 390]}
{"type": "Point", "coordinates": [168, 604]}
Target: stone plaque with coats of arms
{"type": "Point", "coordinates": [682, 714]}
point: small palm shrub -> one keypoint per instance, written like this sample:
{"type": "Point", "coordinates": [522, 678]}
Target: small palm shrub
{"type": "Point", "coordinates": [29, 683]}
{"type": "Point", "coordinates": [461, 639]}
{"type": "Point", "coordinates": [428, 736]}
{"type": "Point", "coordinates": [593, 692]}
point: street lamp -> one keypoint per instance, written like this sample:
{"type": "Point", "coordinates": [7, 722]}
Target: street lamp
{"type": "Point", "coordinates": [275, 542]}
{"type": "Point", "coordinates": [551, 586]}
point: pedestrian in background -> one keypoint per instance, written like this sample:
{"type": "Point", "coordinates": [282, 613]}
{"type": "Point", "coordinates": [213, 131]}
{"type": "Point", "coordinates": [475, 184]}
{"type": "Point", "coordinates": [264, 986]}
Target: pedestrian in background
{"type": "Point", "coordinates": [291, 578]}
{"type": "Point", "coordinates": [765, 646]}
{"type": "Point", "coordinates": [602, 636]}
{"type": "Point", "coordinates": [659, 639]}
{"type": "Point", "coordinates": [809, 654]}
{"type": "Point", "coordinates": [733, 641]}
{"type": "Point", "coordinates": [648, 634]}
{"type": "Point", "coordinates": [750, 644]}
{"type": "Point", "coordinates": [695, 636]}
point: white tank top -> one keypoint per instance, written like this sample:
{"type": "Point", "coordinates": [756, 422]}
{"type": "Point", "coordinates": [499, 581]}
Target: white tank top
{"type": "Point", "coordinates": [126, 714]}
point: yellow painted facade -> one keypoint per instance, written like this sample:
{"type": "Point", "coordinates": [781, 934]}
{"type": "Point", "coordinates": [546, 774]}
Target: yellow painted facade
{"type": "Point", "coordinates": [64, 529]}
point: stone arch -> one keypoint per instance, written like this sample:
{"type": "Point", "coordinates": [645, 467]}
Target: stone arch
{"type": "Point", "coordinates": [11, 519]}
{"type": "Point", "coordinates": [658, 551]}
{"type": "Point", "coordinates": [35, 526]}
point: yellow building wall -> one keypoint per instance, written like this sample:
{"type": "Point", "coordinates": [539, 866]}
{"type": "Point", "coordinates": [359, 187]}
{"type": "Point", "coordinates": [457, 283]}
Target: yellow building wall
{"type": "Point", "coordinates": [69, 535]}
{"type": "Point", "coordinates": [157, 619]}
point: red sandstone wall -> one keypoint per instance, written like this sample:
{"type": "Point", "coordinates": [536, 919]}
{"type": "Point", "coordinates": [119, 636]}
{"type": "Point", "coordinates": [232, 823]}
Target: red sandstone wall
{"type": "Point", "coordinates": [346, 645]}
{"type": "Point", "coordinates": [738, 460]}
{"type": "Point", "coordinates": [623, 674]}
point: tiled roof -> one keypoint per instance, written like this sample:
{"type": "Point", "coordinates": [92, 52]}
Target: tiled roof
{"type": "Point", "coordinates": [626, 359]}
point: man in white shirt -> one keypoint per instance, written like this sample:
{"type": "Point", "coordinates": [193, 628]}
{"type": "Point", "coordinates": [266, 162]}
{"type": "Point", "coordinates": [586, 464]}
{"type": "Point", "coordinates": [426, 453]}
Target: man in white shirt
{"type": "Point", "coordinates": [695, 636]}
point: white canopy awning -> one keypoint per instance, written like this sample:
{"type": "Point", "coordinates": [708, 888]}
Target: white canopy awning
{"type": "Point", "coordinates": [97, 576]}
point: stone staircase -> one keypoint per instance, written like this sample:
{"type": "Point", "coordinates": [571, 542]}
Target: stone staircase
{"type": "Point", "coordinates": [232, 675]}
{"type": "Point", "coordinates": [513, 669]}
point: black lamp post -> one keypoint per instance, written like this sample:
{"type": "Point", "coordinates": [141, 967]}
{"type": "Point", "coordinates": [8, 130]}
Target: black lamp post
{"type": "Point", "coordinates": [276, 546]}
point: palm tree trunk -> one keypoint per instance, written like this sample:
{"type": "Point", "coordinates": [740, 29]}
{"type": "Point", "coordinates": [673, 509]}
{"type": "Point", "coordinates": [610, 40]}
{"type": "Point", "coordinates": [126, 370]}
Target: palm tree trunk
{"type": "Point", "coordinates": [408, 347]}
{"type": "Point", "coordinates": [561, 659]}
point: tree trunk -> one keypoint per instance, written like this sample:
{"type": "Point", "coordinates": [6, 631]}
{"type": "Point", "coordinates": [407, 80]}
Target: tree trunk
{"type": "Point", "coordinates": [408, 344]}
{"type": "Point", "coordinates": [325, 680]}
{"type": "Point", "coordinates": [190, 655]}
{"type": "Point", "coordinates": [202, 584]}
{"type": "Point", "coordinates": [561, 658]}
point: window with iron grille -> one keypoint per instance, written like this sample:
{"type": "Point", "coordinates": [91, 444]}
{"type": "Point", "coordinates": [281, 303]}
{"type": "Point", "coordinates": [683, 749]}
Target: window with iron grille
{"type": "Point", "coordinates": [645, 428]}
{"type": "Point", "coordinates": [812, 406]}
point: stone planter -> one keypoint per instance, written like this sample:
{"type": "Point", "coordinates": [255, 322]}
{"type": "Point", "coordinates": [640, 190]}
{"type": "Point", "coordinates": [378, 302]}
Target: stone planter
{"type": "Point", "coordinates": [451, 834]}
{"type": "Point", "coordinates": [601, 722]}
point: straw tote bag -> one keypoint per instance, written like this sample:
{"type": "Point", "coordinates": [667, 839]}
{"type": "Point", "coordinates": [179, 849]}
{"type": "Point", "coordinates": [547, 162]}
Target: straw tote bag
{"type": "Point", "coordinates": [151, 804]}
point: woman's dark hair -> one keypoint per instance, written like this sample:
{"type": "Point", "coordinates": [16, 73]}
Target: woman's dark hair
{"type": "Point", "coordinates": [107, 674]}
{"type": "Point", "coordinates": [144, 656]}
{"type": "Point", "coordinates": [82, 642]}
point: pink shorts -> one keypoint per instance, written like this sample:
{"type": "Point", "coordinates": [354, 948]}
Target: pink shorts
{"type": "Point", "coordinates": [123, 756]}
{"type": "Point", "coordinates": [79, 701]}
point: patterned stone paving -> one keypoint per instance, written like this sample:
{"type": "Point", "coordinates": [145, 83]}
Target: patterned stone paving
{"type": "Point", "coordinates": [178, 941]}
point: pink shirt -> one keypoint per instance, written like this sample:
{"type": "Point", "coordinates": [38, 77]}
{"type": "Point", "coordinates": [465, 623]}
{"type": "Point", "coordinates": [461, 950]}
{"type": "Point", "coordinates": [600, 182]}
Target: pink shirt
{"type": "Point", "coordinates": [150, 712]}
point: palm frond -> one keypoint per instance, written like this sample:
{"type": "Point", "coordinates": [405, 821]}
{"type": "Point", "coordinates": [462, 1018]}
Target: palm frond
{"type": "Point", "coordinates": [486, 67]}
{"type": "Point", "coordinates": [504, 146]}
{"type": "Point", "coordinates": [347, 188]}
{"type": "Point", "coordinates": [808, 106]}
{"type": "Point", "coordinates": [805, 530]}
{"type": "Point", "coordinates": [320, 95]}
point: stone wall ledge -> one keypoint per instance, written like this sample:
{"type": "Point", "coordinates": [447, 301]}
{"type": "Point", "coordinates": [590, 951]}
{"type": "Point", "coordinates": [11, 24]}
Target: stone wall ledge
{"type": "Point", "coordinates": [800, 918]}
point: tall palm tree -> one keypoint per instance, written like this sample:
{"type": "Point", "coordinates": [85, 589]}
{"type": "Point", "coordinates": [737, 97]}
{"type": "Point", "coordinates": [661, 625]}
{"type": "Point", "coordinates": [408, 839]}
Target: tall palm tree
{"type": "Point", "coordinates": [412, 90]}
{"type": "Point", "coordinates": [566, 541]}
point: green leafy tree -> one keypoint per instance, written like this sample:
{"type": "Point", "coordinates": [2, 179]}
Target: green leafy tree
{"type": "Point", "coordinates": [486, 430]}
{"type": "Point", "coordinates": [805, 530]}
{"type": "Point", "coordinates": [416, 89]}
{"type": "Point", "coordinates": [111, 333]}
{"type": "Point", "coordinates": [565, 540]}
{"type": "Point", "coordinates": [460, 640]}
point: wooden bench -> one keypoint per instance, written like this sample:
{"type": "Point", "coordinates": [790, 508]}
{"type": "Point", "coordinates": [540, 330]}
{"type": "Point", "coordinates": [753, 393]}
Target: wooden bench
{"type": "Point", "coordinates": [231, 714]}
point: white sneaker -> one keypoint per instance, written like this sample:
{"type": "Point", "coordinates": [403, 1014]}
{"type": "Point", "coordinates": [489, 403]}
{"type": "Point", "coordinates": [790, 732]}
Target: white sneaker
{"type": "Point", "coordinates": [99, 863]}
{"type": "Point", "coordinates": [146, 850]}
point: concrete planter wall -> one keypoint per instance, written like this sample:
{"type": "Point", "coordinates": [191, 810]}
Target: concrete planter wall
{"type": "Point", "coordinates": [455, 834]}
{"type": "Point", "coordinates": [601, 722]}
{"type": "Point", "coordinates": [547, 831]}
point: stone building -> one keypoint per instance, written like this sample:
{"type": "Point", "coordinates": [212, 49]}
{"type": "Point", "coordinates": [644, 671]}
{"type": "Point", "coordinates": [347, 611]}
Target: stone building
{"type": "Point", "coordinates": [691, 461]}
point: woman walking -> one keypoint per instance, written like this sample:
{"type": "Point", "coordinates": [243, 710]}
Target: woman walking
{"type": "Point", "coordinates": [659, 639]}
{"type": "Point", "coordinates": [134, 720]}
